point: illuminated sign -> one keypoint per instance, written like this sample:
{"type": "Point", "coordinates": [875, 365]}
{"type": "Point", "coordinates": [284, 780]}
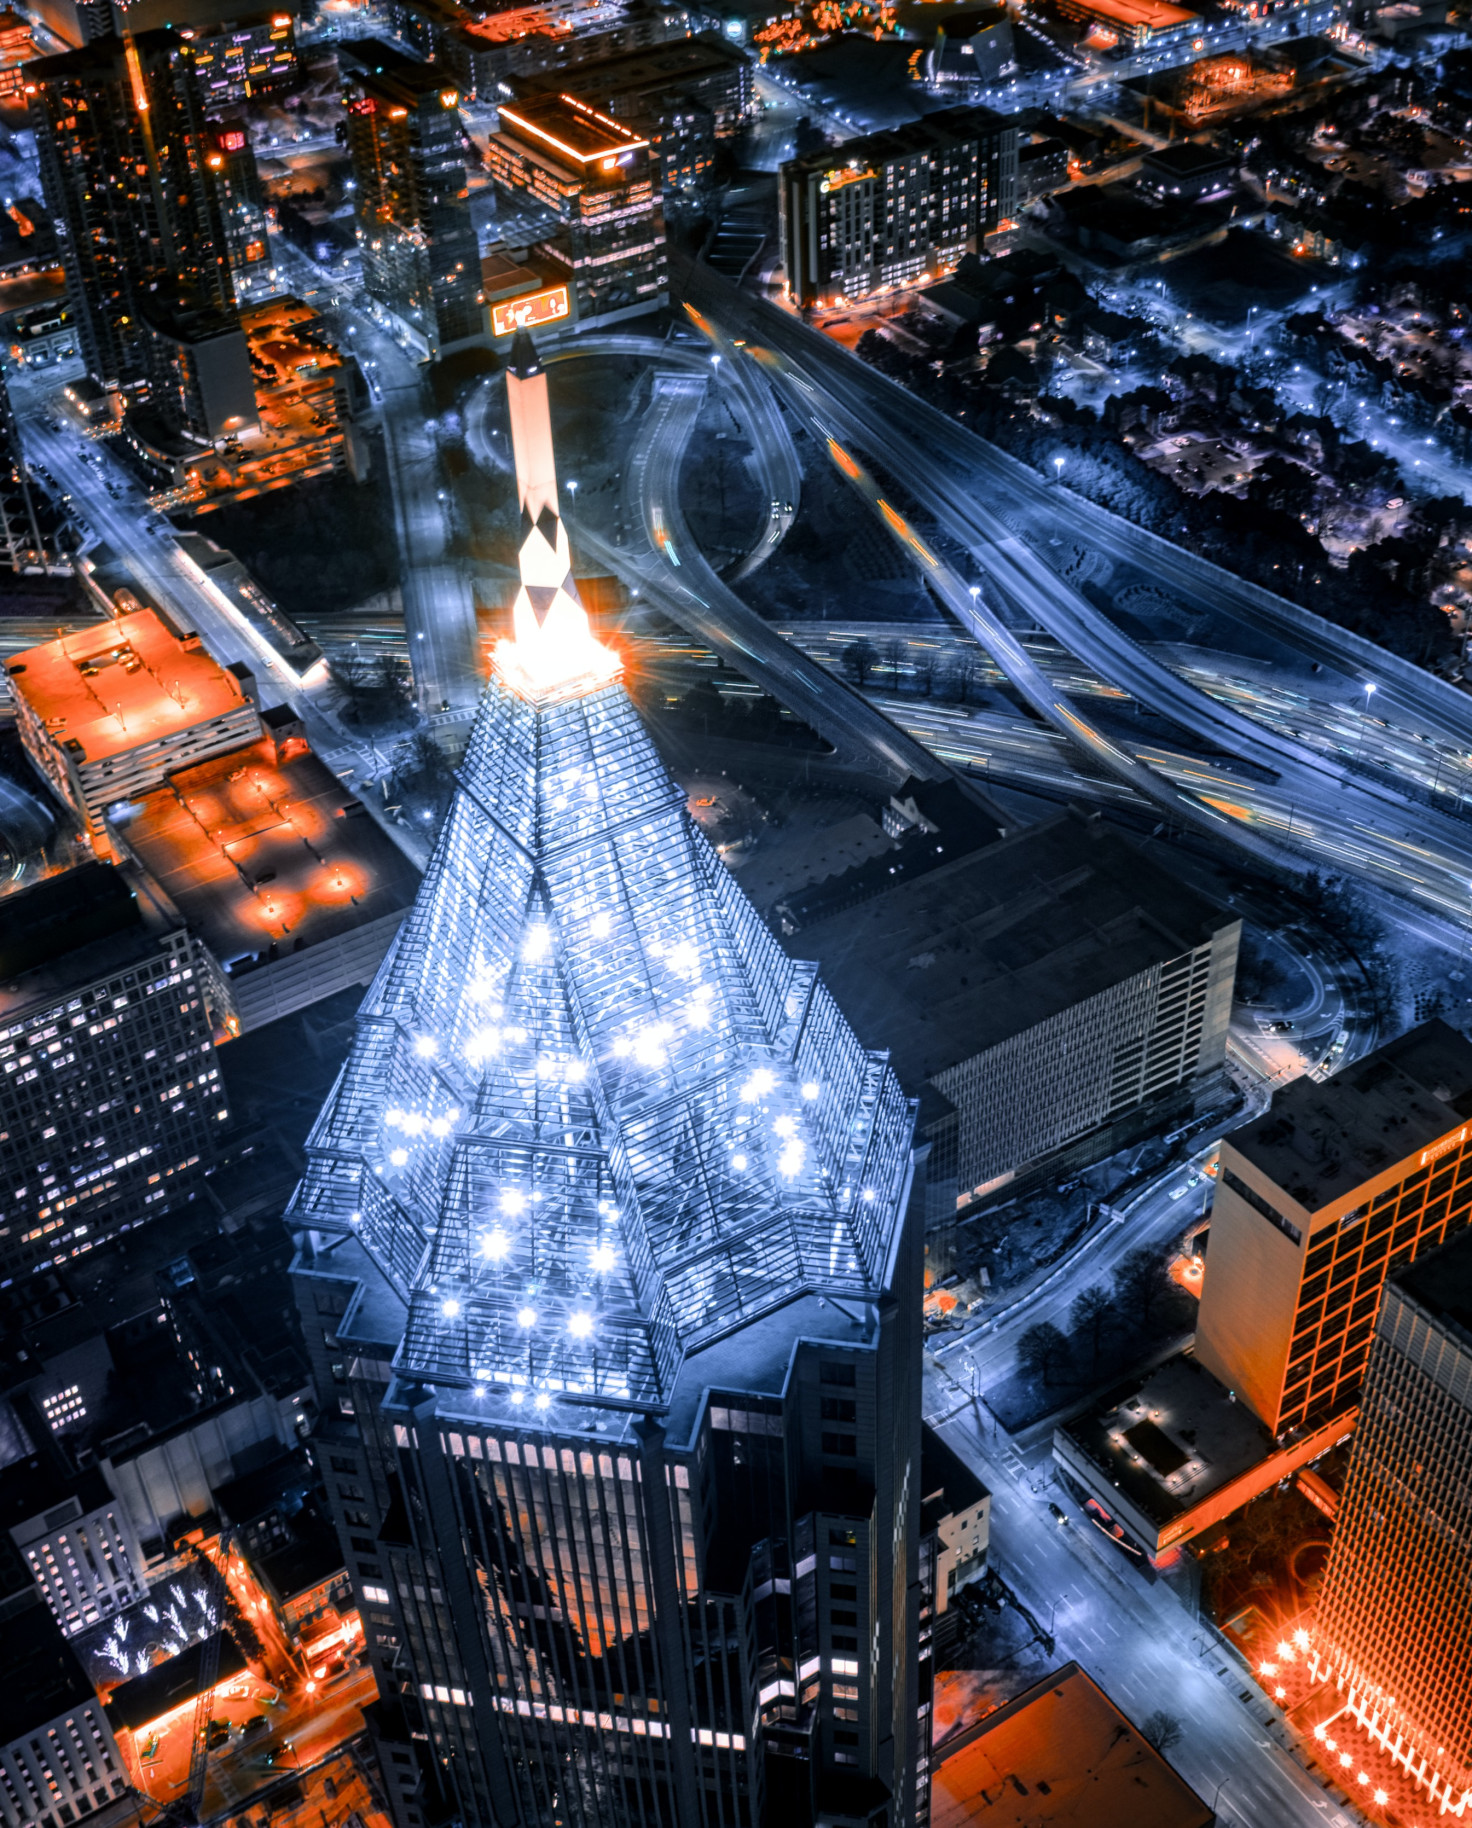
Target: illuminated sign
{"type": "Point", "coordinates": [1444, 1147]}
{"type": "Point", "coordinates": [527, 312]}
{"type": "Point", "coordinates": [234, 141]}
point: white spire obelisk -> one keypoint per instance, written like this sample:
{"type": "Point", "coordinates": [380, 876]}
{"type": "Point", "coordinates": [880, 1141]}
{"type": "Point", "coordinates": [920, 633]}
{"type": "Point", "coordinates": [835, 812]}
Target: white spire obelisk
{"type": "Point", "coordinates": [552, 648]}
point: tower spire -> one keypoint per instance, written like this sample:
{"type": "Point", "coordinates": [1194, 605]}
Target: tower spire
{"type": "Point", "coordinates": [552, 648]}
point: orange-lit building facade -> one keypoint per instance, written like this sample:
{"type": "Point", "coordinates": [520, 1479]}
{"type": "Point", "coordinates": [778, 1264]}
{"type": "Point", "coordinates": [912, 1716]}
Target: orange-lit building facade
{"type": "Point", "coordinates": [1394, 1625]}
{"type": "Point", "coordinates": [1337, 1186]}
{"type": "Point", "coordinates": [107, 713]}
{"type": "Point", "coordinates": [595, 175]}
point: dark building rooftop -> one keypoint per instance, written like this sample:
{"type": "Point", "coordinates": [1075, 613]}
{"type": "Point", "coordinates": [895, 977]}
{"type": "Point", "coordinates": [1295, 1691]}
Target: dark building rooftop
{"type": "Point", "coordinates": [1441, 1283]}
{"type": "Point", "coordinates": [169, 1685]}
{"type": "Point", "coordinates": [943, 967]}
{"type": "Point", "coordinates": [41, 924]}
{"type": "Point", "coordinates": [43, 1676]}
{"type": "Point", "coordinates": [1321, 1139]}
{"type": "Point", "coordinates": [1188, 159]}
{"type": "Point", "coordinates": [944, 128]}
{"type": "Point", "coordinates": [947, 1483]}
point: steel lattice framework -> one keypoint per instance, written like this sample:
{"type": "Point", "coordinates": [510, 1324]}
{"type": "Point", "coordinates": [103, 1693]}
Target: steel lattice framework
{"type": "Point", "coordinates": [593, 1116]}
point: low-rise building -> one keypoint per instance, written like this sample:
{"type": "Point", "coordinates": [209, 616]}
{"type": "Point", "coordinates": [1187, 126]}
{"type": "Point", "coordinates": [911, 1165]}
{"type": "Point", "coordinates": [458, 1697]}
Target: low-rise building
{"type": "Point", "coordinates": [247, 55]}
{"type": "Point", "coordinates": [1055, 990]}
{"type": "Point", "coordinates": [955, 1520]}
{"type": "Point", "coordinates": [886, 209]}
{"type": "Point", "coordinates": [1061, 1755]}
{"type": "Point", "coordinates": [265, 855]}
{"type": "Point", "coordinates": [107, 713]}
{"type": "Point", "coordinates": [39, 336]}
{"type": "Point", "coordinates": [1177, 1455]}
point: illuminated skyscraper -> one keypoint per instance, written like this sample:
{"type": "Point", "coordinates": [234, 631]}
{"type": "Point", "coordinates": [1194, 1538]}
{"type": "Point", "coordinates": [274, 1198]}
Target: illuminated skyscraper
{"type": "Point", "coordinates": [124, 152]}
{"type": "Point", "coordinates": [607, 1264]}
{"type": "Point", "coordinates": [421, 259]}
{"type": "Point", "coordinates": [1394, 1625]}
{"type": "Point", "coordinates": [1342, 1182]}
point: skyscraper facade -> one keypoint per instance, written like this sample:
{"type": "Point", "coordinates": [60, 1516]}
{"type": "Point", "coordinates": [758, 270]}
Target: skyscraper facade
{"type": "Point", "coordinates": [124, 153]}
{"type": "Point", "coordinates": [421, 259]}
{"type": "Point", "coordinates": [607, 1262]}
{"type": "Point", "coordinates": [1394, 1624]}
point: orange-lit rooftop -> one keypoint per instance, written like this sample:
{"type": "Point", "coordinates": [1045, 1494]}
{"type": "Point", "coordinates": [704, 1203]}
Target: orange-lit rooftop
{"type": "Point", "coordinates": [1061, 1754]}
{"type": "Point", "coordinates": [254, 851]}
{"type": "Point", "coordinates": [129, 682]}
{"type": "Point", "coordinates": [1138, 15]}
{"type": "Point", "coordinates": [568, 126]}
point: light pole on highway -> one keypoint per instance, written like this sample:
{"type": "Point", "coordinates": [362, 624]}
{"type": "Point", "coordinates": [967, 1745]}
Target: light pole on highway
{"type": "Point", "coordinates": [1058, 463]}
{"type": "Point", "coordinates": [1218, 1797]}
{"type": "Point", "coordinates": [1370, 690]}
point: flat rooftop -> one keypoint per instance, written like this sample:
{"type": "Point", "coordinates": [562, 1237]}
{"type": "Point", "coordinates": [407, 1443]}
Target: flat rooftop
{"type": "Point", "coordinates": [169, 1685]}
{"type": "Point", "coordinates": [944, 966]}
{"type": "Point", "coordinates": [253, 852]}
{"type": "Point", "coordinates": [563, 124]}
{"type": "Point", "coordinates": [1151, 15]}
{"type": "Point", "coordinates": [1319, 1140]}
{"type": "Point", "coordinates": [652, 67]}
{"type": "Point", "coordinates": [1061, 1755]}
{"type": "Point", "coordinates": [945, 127]}
{"type": "Point", "coordinates": [62, 913]}
{"type": "Point", "coordinates": [43, 1674]}
{"type": "Point", "coordinates": [1442, 1284]}
{"type": "Point", "coordinates": [1177, 1439]}
{"type": "Point", "coordinates": [125, 683]}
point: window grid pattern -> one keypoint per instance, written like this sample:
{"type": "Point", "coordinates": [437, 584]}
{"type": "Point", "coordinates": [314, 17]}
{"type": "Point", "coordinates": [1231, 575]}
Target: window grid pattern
{"type": "Point", "coordinates": [1344, 1272]}
{"type": "Point", "coordinates": [1394, 1627]}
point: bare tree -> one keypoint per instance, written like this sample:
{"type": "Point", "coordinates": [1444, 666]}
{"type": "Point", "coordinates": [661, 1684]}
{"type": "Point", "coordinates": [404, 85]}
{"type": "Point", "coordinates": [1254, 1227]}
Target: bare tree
{"type": "Point", "coordinates": [1140, 1281]}
{"type": "Point", "coordinates": [896, 653]}
{"type": "Point", "coordinates": [925, 673]}
{"type": "Point", "coordinates": [1039, 1350]}
{"type": "Point", "coordinates": [1090, 1313]}
{"type": "Point", "coordinates": [859, 660]}
{"type": "Point", "coordinates": [1162, 1730]}
{"type": "Point", "coordinates": [350, 672]}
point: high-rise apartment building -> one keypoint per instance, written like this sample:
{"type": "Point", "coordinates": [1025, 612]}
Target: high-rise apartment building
{"type": "Point", "coordinates": [608, 1262]}
{"type": "Point", "coordinates": [124, 152]}
{"type": "Point", "coordinates": [1340, 1183]}
{"type": "Point", "coordinates": [111, 1104]}
{"type": "Point", "coordinates": [593, 173]}
{"type": "Point", "coordinates": [896, 204]}
{"type": "Point", "coordinates": [421, 260]}
{"type": "Point", "coordinates": [1394, 1625]}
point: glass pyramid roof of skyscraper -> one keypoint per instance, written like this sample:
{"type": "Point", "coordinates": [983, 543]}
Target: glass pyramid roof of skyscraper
{"type": "Point", "coordinates": [593, 1116]}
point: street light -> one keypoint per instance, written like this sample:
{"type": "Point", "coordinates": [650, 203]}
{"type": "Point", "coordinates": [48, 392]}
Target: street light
{"type": "Point", "coordinates": [1370, 689]}
{"type": "Point", "coordinates": [572, 489]}
{"type": "Point", "coordinates": [1058, 463]}
{"type": "Point", "coordinates": [1218, 1797]}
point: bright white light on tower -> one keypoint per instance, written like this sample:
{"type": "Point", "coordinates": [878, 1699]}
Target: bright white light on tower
{"type": "Point", "coordinates": [758, 1085]}
{"type": "Point", "coordinates": [603, 1258]}
{"type": "Point", "coordinates": [513, 1204]}
{"type": "Point", "coordinates": [785, 1126]}
{"type": "Point", "coordinates": [398, 1157]}
{"type": "Point", "coordinates": [542, 1400]}
{"type": "Point", "coordinates": [623, 1047]}
{"type": "Point", "coordinates": [426, 1047]}
{"type": "Point", "coordinates": [449, 1309]}
{"type": "Point", "coordinates": [393, 1117]}
{"type": "Point", "coordinates": [518, 1397]}
{"type": "Point", "coordinates": [414, 1124]}
{"type": "Point", "coordinates": [790, 1161]}
{"type": "Point", "coordinates": [580, 1325]}
{"type": "Point", "coordinates": [738, 1162]}
{"type": "Point", "coordinates": [697, 1013]}
{"type": "Point", "coordinates": [496, 1245]}
{"type": "Point", "coordinates": [684, 960]}
{"type": "Point", "coordinates": [440, 1127]}
{"type": "Point", "coordinates": [601, 925]}
{"type": "Point", "coordinates": [526, 1317]}
{"type": "Point", "coordinates": [574, 1071]}
{"type": "Point", "coordinates": [649, 1044]}
{"type": "Point", "coordinates": [810, 1090]}
{"type": "Point", "coordinates": [536, 944]}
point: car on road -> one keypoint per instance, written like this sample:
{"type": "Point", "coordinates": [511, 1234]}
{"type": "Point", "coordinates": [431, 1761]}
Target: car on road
{"type": "Point", "coordinates": [1280, 1028]}
{"type": "Point", "coordinates": [1060, 1516]}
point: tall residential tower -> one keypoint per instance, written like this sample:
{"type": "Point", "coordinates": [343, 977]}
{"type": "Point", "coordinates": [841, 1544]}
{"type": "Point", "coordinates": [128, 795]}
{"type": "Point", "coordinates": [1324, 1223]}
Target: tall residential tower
{"type": "Point", "coordinates": [607, 1260]}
